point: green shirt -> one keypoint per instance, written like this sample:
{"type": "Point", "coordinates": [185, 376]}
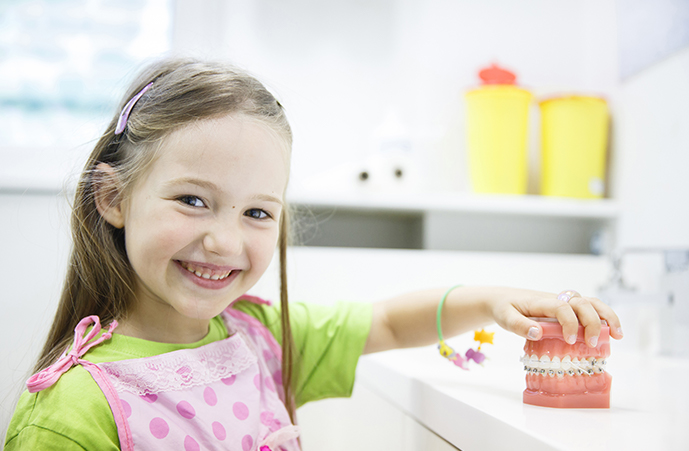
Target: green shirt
{"type": "Point", "coordinates": [73, 414]}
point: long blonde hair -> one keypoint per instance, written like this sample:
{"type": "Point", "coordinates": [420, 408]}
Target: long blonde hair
{"type": "Point", "coordinates": [100, 279]}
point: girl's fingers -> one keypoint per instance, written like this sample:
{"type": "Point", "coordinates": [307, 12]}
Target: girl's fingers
{"type": "Point", "coordinates": [512, 320]}
{"type": "Point", "coordinates": [588, 317]}
{"type": "Point", "coordinates": [588, 312]}
{"type": "Point", "coordinates": [568, 319]}
{"type": "Point", "coordinates": [606, 313]}
{"type": "Point", "coordinates": [579, 310]}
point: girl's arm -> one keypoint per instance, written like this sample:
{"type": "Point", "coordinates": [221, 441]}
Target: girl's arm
{"type": "Point", "coordinates": [410, 320]}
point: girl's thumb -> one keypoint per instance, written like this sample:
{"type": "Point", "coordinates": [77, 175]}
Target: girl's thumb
{"type": "Point", "coordinates": [533, 332]}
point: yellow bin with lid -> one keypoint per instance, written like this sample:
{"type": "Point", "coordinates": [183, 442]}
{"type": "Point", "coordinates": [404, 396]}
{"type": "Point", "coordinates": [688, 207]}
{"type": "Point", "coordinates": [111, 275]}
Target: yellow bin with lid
{"type": "Point", "coordinates": [497, 132]}
{"type": "Point", "coordinates": [574, 141]}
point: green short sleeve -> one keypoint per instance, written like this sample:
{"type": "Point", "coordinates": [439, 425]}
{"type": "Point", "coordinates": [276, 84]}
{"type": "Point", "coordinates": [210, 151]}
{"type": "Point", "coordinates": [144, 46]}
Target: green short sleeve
{"type": "Point", "coordinates": [328, 340]}
{"type": "Point", "coordinates": [71, 415]}
{"type": "Point", "coordinates": [35, 438]}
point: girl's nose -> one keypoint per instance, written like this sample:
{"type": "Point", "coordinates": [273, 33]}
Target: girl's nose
{"type": "Point", "coordinates": [224, 239]}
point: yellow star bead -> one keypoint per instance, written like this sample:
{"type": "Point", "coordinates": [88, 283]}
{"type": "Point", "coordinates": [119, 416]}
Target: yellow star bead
{"type": "Point", "coordinates": [483, 337]}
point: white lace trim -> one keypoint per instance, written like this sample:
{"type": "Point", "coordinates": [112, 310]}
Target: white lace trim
{"type": "Point", "coordinates": [180, 370]}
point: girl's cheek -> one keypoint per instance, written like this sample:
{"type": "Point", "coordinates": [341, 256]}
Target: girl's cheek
{"type": "Point", "coordinates": [176, 229]}
{"type": "Point", "coordinates": [169, 235]}
{"type": "Point", "coordinates": [264, 246]}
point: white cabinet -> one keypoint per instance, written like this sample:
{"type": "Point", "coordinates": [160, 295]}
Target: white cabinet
{"type": "Point", "coordinates": [418, 437]}
{"type": "Point", "coordinates": [364, 422]}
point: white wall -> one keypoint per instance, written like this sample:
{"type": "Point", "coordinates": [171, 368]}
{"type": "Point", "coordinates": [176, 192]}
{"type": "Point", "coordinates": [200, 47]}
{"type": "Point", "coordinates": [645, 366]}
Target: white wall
{"type": "Point", "coordinates": [34, 252]}
{"type": "Point", "coordinates": [652, 148]}
{"type": "Point", "coordinates": [339, 67]}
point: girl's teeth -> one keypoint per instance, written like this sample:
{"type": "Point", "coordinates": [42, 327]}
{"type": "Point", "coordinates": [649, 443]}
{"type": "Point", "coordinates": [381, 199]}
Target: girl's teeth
{"type": "Point", "coordinates": [206, 275]}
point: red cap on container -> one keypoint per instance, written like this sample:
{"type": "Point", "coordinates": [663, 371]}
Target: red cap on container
{"type": "Point", "coordinates": [495, 75]}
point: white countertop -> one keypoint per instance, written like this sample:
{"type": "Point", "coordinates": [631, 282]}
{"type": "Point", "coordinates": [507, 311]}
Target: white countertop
{"type": "Point", "coordinates": [482, 408]}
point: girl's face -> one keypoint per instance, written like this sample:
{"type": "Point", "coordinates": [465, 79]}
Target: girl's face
{"type": "Point", "coordinates": [202, 224]}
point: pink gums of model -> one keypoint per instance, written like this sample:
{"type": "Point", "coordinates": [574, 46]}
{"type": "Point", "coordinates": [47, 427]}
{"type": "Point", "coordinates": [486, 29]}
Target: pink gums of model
{"type": "Point", "coordinates": [563, 375]}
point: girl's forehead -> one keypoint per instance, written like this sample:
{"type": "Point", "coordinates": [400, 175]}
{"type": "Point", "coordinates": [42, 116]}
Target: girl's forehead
{"type": "Point", "coordinates": [215, 148]}
{"type": "Point", "coordinates": [228, 131]}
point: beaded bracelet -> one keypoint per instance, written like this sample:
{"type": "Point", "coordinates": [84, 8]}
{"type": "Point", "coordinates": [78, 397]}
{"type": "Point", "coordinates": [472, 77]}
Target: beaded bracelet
{"type": "Point", "coordinates": [446, 351]}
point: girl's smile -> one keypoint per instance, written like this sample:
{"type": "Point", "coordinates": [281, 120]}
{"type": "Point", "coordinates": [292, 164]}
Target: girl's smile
{"type": "Point", "coordinates": [208, 276]}
{"type": "Point", "coordinates": [202, 224]}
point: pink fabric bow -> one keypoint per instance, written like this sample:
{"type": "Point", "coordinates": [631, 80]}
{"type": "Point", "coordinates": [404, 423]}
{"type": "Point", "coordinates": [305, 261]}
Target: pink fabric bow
{"type": "Point", "coordinates": [279, 437]}
{"type": "Point", "coordinates": [48, 376]}
{"type": "Point", "coordinates": [251, 298]}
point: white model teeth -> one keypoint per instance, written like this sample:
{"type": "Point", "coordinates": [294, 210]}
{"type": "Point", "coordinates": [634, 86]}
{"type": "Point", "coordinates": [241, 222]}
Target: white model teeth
{"type": "Point", "coordinates": [566, 365]}
{"type": "Point", "coordinates": [545, 362]}
{"type": "Point", "coordinates": [533, 361]}
{"type": "Point", "coordinates": [555, 363]}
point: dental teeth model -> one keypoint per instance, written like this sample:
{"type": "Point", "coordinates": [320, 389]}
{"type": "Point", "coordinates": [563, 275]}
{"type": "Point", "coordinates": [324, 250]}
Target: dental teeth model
{"type": "Point", "coordinates": [563, 375]}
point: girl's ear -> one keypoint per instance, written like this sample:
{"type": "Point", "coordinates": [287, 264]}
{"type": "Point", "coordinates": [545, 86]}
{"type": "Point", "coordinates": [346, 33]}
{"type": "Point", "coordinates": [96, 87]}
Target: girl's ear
{"type": "Point", "coordinates": [105, 190]}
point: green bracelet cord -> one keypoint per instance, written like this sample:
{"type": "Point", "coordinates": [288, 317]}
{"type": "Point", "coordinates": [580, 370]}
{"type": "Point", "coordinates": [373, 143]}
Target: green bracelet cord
{"type": "Point", "coordinates": [440, 308]}
{"type": "Point", "coordinates": [446, 351]}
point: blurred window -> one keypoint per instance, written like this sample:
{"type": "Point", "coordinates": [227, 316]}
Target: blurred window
{"type": "Point", "coordinates": [65, 63]}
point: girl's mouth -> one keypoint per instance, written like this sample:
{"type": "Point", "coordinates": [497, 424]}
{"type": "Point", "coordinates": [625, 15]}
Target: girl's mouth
{"type": "Point", "coordinates": [205, 273]}
{"type": "Point", "coordinates": [208, 277]}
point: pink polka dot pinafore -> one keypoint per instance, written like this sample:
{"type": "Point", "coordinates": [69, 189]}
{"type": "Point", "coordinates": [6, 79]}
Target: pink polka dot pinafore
{"type": "Point", "coordinates": [226, 395]}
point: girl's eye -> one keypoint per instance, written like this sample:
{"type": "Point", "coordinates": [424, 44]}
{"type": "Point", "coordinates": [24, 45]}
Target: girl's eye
{"type": "Point", "coordinates": [257, 213]}
{"type": "Point", "coordinates": [192, 201]}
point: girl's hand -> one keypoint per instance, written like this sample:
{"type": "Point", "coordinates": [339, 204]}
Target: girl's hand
{"type": "Point", "coordinates": [512, 314]}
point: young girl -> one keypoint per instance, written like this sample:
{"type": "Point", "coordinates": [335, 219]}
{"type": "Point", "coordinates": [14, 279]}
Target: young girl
{"type": "Point", "coordinates": [155, 344]}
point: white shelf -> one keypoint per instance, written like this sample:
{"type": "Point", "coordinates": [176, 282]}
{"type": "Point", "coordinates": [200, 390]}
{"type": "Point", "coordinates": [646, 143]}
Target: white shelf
{"type": "Point", "coordinates": [527, 205]}
{"type": "Point", "coordinates": [457, 221]}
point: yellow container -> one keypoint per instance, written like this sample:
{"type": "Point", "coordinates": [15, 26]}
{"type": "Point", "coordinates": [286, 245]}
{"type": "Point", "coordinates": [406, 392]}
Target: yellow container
{"type": "Point", "coordinates": [497, 130]}
{"type": "Point", "coordinates": [574, 141]}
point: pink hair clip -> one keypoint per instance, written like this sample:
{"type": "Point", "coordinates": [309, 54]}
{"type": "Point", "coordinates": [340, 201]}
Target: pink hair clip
{"type": "Point", "coordinates": [124, 115]}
